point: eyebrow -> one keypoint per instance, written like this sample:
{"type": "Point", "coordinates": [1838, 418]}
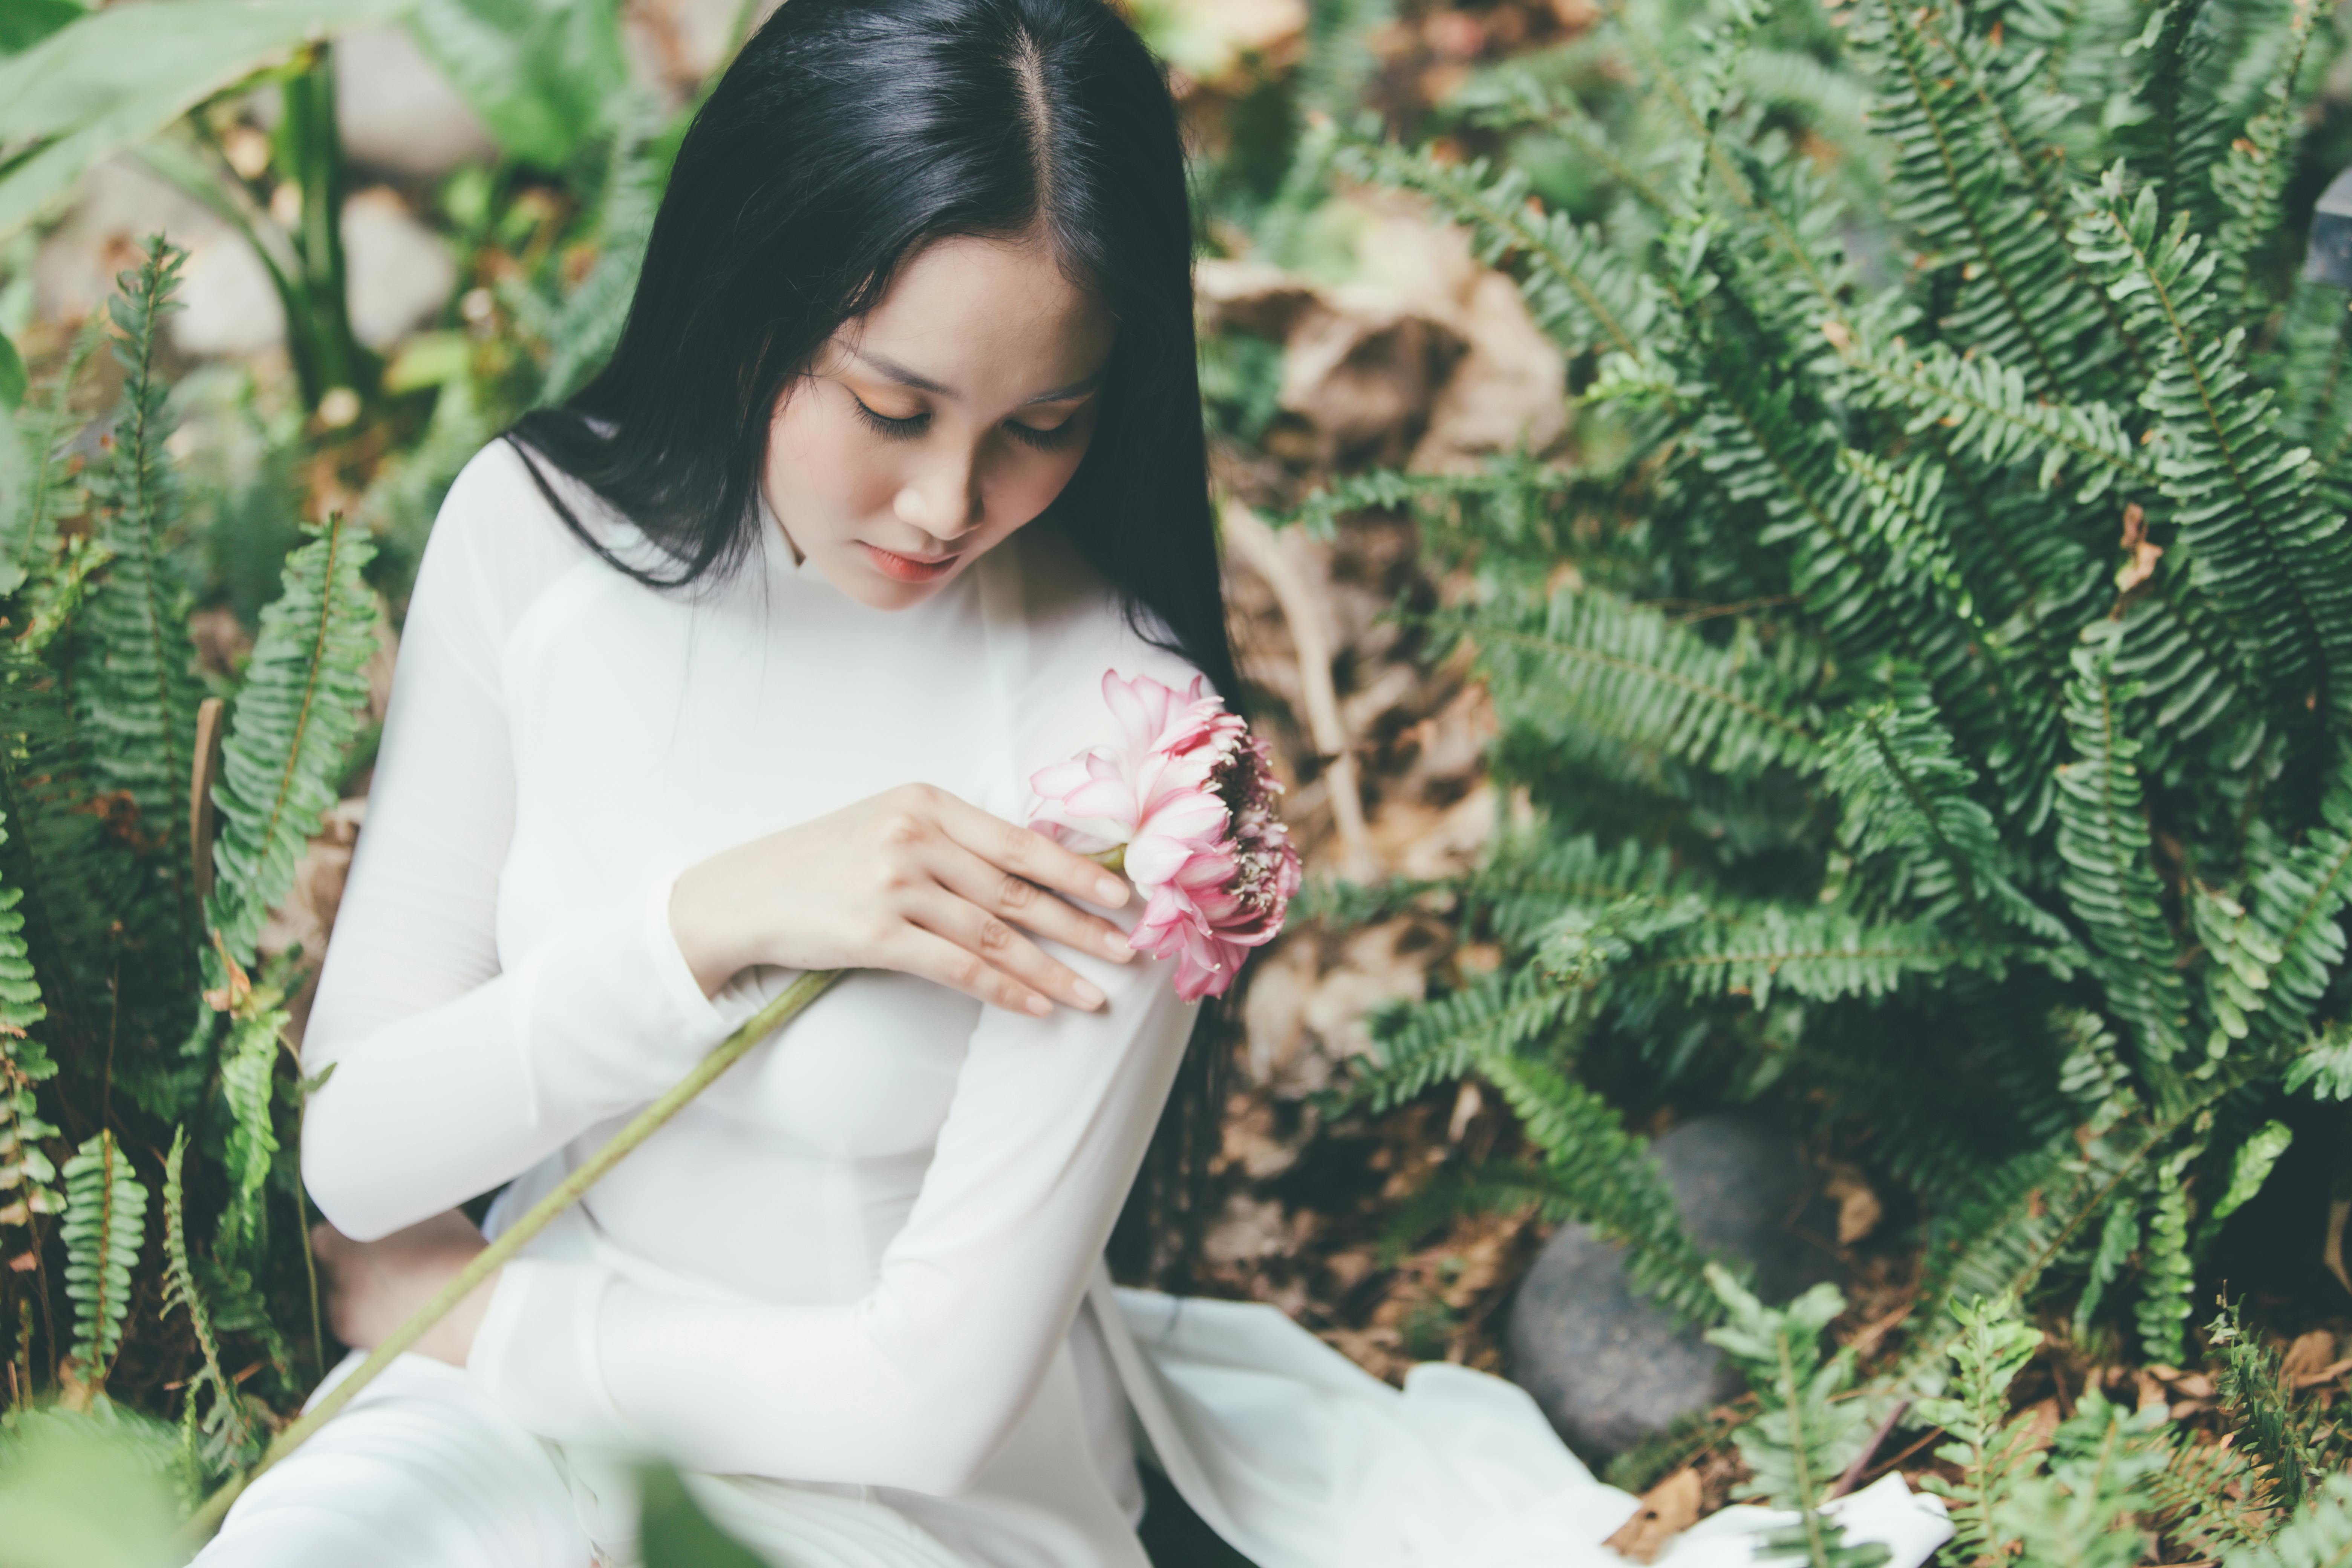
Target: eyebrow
{"type": "Point", "coordinates": [892, 370]}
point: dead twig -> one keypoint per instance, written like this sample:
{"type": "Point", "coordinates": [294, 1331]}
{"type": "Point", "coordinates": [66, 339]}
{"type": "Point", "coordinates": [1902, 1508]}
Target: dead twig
{"type": "Point", "coordinates": [1311, 637]}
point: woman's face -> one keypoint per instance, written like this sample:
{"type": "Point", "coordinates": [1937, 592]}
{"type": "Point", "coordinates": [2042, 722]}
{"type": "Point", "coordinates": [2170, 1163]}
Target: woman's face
{"type": "Point", "coordinates": [931, 428]}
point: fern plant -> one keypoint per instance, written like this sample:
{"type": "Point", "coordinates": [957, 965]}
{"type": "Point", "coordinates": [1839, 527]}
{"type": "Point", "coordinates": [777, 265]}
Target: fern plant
{"type": "Point", "coordinates": [133, 1014]}
{"type": "Point", "coordinates": [1997, 798]}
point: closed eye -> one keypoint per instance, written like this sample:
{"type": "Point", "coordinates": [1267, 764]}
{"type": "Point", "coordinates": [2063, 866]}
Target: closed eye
{"type": "Point", "coordinates": [905, 429]}
{"type": "Point", "coordinates": [1044, 440]}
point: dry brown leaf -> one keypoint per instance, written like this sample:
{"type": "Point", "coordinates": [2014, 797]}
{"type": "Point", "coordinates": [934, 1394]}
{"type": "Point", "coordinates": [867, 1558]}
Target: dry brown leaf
{"type": "Point", "coordinates": [1666, 1510]}
{"type": "Point", "coordinates": [1859, 1210]}
{"type": "Point", "coordinates": [2309, 1353]}
{"type": "Point", "coordinates": [1273, 1010]}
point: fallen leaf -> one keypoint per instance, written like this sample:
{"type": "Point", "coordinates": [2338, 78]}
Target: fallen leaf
{"type": "Point", "coordinates": [1666, 1510]}
{"type": "Point", "coordinates": [1859, 1210]}
{"type": "Point", "coordinates": [2307, 1354]}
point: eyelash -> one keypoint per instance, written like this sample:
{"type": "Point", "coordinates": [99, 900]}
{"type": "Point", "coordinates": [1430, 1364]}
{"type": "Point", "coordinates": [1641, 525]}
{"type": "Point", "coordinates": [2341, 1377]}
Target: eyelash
{"type": "Point", "coordinates": [907, 429]}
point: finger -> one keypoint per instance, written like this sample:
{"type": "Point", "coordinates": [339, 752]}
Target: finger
{"type": "Point", "coordinates": [1029, 855]}
{"type": "Point", "coordinates": [993, 940]}
{"type": "Point", "coordinates": [932, 957]}
{"type": "Point", "coordinates": [1024, 903]}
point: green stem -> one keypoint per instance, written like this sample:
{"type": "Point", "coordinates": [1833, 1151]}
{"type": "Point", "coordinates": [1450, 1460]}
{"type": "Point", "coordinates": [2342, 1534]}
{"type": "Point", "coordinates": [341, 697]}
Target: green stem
{"type": "Point", "coordinates": [767, 1021]}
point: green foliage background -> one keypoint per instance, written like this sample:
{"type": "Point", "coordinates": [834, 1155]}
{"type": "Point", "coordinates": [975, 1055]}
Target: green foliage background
{"type": "Point", "coordinates": [1931, 684]}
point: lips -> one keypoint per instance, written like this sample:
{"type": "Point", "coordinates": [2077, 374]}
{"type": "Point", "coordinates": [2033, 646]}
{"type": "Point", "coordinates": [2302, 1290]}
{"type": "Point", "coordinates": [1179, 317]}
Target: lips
{"type": "Point", "coordinates": [906, 568]}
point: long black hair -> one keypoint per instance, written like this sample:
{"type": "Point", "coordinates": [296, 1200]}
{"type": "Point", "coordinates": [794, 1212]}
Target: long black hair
{"type": "Point", "coordinates": [846, 135]}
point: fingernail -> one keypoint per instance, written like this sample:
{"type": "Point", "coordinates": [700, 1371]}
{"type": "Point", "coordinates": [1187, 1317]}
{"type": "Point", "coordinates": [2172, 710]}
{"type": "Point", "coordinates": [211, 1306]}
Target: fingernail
{"type": "Point", "coordinates": [1088, 994]}
{"type": "Point", "coordinates": [1115, 942]}
{"type": "Point", "coordinates": [1111, 891]}
{"type": "Point", "coordinates": [1038, 1005]}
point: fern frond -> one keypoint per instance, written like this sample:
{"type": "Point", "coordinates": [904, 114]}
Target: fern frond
{"type": "Point", "coordinates": [1515, 101]}
{"type": "Point", "coordinates": [1908, 809]}
{"type": "Point", "coordinates": [1989, 1447]}
{"type": "Point", "coordinates": [1577, 286]}
{"type": "Point", "coordinates": [2322, 1067]}
{"type": "Point", "coordinates": [2292, 1450]}
{"type": "Point", "coordinates": [2253, 173]}
{"type": "Point", "coordinates": [2166, 1273]}
{"type": "Point", "coordinates": [2274, 956]}
{"type": "Point", "coordinates": [1972, 204]}
{"type": "Point", "coordinates": [2103, 1459]}
{"type": "Point", "coordinates": [1803, 1436]}
{"type": "Point", "coordinates": [1591, 661]}
{"type": "Point", "coordinates": [295, 719]}
{"type": "Point", "coordinates": [28, 532]}
{"type": "Point", "coordinates": [230, 1428]}
{"type": "Point", "coordinates": [1532, 877]}
{"type": "Point", "coordinates": [1993, 412]}
{"type": "Point", "coordinates": [249, 1073]}
{"type": "Point", "coordinates": [1420, 1044]}
{"type": "Point", "coordinates": [2109, 878]}
{"type": "Point", "coordinates": [1503, 482]}
{"type": "Point", "coordinates": [105, 1225]}
{"type": "Point", "coordinates": [1603, 1175]}
{"type": "Point", "coordinates": [2317, 1536]}
{"type": "Point", "coordinates": [1998, 1240]}
{"type": "Point", "coordinates": [136, 691]}
{"type": "Point", "coordinates": [587, 327]}
{"type": "Point", "coordinates": [2209, 1498]}
{"type": "Point", "coordinates": [2277, 562]}
{"type": "Point", "coordinates": [1822, 955]}
{"type": "Point", "coordinates": [2187, 674]}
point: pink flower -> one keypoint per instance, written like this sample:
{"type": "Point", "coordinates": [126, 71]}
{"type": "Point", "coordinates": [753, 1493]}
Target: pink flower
{"type": "Point", "coordinates": [1188, 798]}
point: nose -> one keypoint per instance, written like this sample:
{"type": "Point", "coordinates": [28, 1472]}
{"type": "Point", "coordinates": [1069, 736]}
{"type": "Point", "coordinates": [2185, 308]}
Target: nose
{"type": "Point", "coordinates": [942, 499]}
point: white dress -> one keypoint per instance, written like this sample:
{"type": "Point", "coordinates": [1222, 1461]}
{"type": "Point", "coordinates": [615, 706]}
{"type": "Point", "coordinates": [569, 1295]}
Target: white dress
{"type": "Point", "coordinates": [854, 1290]}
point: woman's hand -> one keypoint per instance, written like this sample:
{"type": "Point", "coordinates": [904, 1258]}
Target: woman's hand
{"type": "Point", "coordinates": [911, 880]}
{"type": "Point", "coordinates": [373, 1287]}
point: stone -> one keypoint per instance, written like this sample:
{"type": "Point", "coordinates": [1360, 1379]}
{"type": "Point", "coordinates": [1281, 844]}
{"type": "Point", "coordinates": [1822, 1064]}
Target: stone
{"type": "Point", "coordinates": [399, 271]}
{"type": "Point", "coordinates": [1610, 1369]}
{"type": "Point", "coordinates": [396, 113]}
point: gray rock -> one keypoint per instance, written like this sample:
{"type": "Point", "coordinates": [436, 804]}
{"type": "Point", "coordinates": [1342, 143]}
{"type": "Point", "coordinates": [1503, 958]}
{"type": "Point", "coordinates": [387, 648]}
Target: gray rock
{"type": "Point", "coordinates": [1610, 1369]}
{"type": "Point", "coordinates": [394, 110]}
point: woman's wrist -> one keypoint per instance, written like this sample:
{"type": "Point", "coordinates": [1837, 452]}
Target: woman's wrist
{"type": "Point", "coordinates": [706, 938]}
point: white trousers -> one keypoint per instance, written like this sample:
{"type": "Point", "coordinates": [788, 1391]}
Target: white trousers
{"type": "Point", "coordinates": [422, 1470]}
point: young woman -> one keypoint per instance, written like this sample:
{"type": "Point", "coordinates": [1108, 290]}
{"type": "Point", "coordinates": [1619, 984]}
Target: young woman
{"type": "Point", "coordinates": [736, 667]}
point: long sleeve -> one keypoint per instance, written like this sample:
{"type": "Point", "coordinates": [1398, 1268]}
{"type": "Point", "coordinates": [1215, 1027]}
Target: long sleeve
{"type": "Point", "coordinates": [452, 1075]}
{"type": "Point", "coordinates": [914, 1384]}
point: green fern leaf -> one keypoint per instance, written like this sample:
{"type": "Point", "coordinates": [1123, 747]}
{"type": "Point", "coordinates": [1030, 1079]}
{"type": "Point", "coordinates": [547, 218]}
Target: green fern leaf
{"type": "Point", "coordinates": [2277, 562]}
{"type": "Point", "coordinates": [295, 719]}
{"type": "Point", "coordinates": [2252, 174]}
{"type": "Point", "coordinates": [1604, 1176]}
{"type": "Point", "coordinates": [226, 1424]}
{"type": "Point", "coordinates": [2322, 1067]}
{"type": "Point", "coordinates": [2103, 1460]}
{"type": "Point", "coordinates": [1909, 810]}
{"type": "Point", "coordinates": [105, 1225]}
{"type": "Point", "coordinates": [2109, 879]}
{"type": "Point", "coordinates": [1497, 1013]}
{"type": "Point", "coordinates": [1576, 286]}
{"type": "Point", "coordinates": [2318, 1536]}
{"type": "Point", "coordinates": [2168, 1273]}
{"type": "Point", "coordinates": [1802, 1435]}
{"type": "Point", "coordinates": [2274, 956]}
{"type": "Point", "coordinates": [1966, 184]}
{"type": "Point", "coordinates": [248, 1070]}
{"type": "Point", "coordinates": [136, 691]}
{"type": "Point", "coordinates": [1988, 1448]}
{"type": "Point", "coordinates": [1591, 661]}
